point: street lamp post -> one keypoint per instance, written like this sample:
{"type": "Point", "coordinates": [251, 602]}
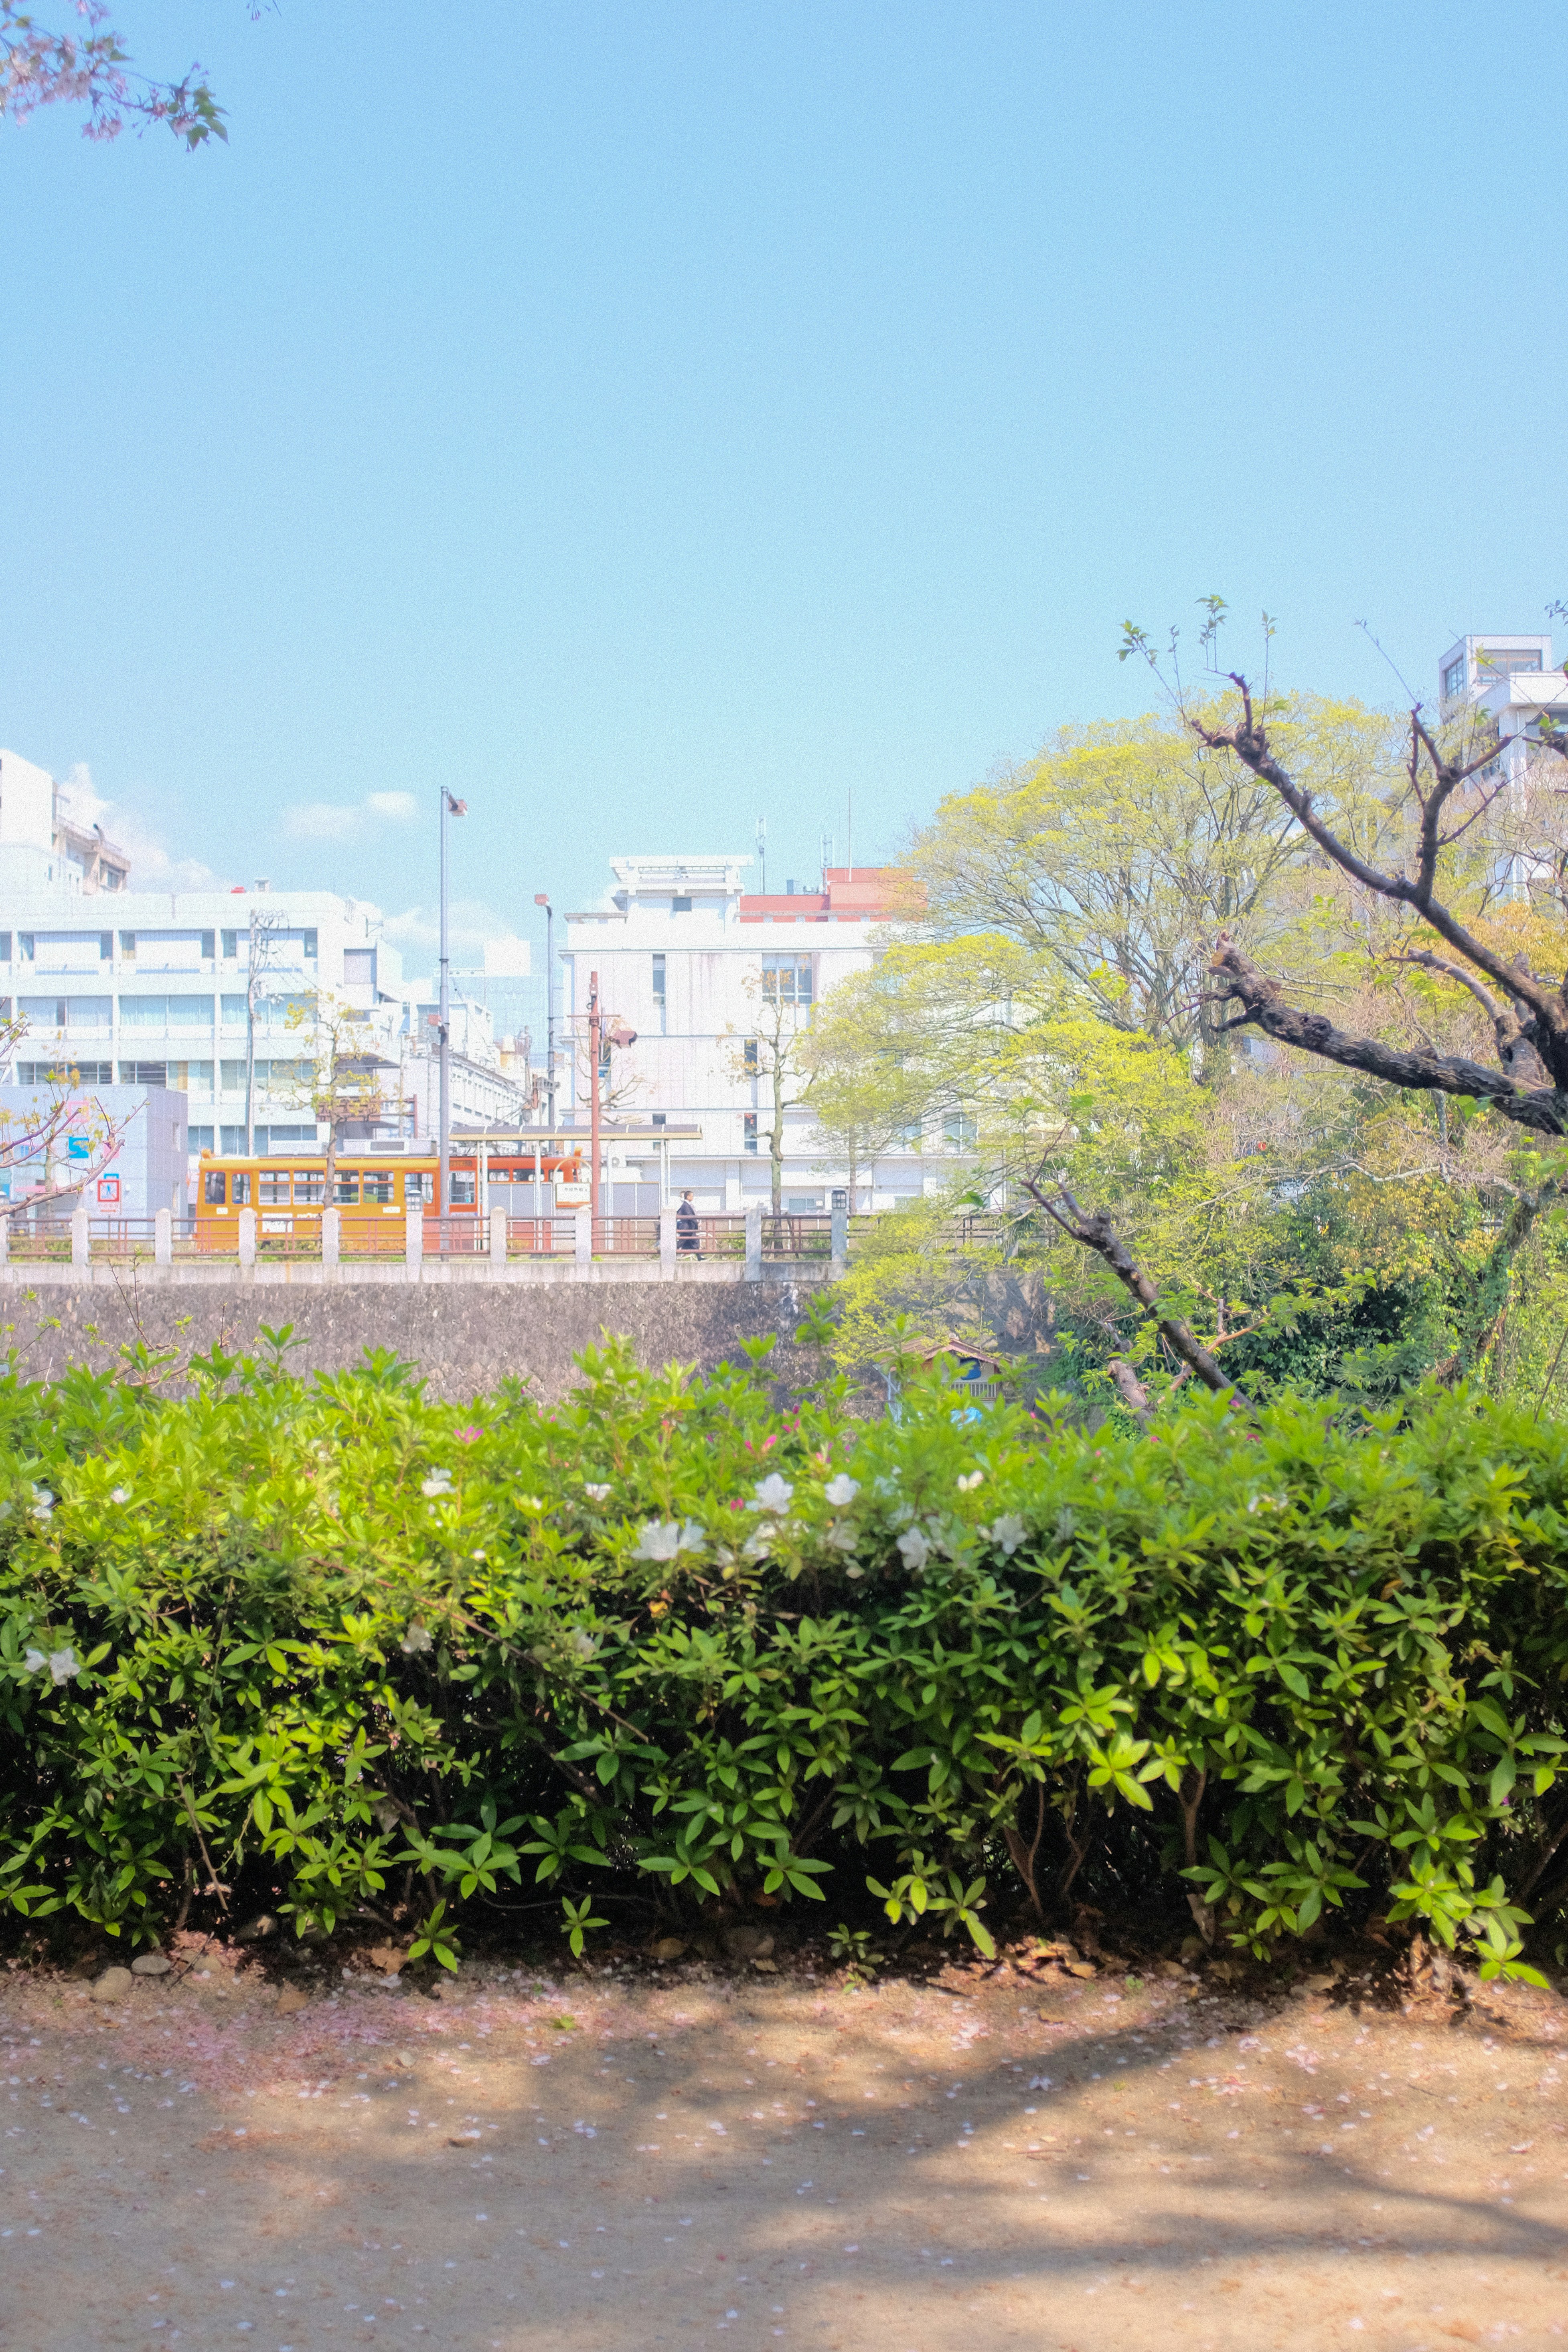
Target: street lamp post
{"type": "Point", "coordinates": [450, 807]}
{"type": "Point", "coordinates": [542, 898]}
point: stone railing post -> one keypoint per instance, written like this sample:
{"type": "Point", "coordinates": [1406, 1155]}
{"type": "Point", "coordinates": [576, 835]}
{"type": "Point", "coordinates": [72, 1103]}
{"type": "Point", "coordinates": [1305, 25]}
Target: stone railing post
{"type": "Point", "coordinates": [5, 1239]}
{"type": "Point", "coordinates": [585, 1249]}
{"type": "Point", "coordinates": [332, 1236]}
{"type": "Point", "coordinates": [667, 1241]}
{"type": "Point", "coordinates": [497, 1238]}
{"type": "Point", "coordinates": [81, 1246]}
{"type": "Point", "coordinates": [247, 1237]}
{"type": "Point", "coordinates": [754, 1242]}
{"type": "Point", "coordinates": [840, 1243]}
{"type": "Point", "coordinates": [414, 1239]}
{"type": "Point", "coordinates": [163, 1237]}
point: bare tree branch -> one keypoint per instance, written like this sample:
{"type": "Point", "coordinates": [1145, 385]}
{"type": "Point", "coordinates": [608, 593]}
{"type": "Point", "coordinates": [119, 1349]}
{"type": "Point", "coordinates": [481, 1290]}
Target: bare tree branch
{"type": "Point", "coordinates": [1248, 740]}
{"type": "Point", "coordinates": [1544, 1110]}
{"type": "Point", "coordinates": [1096, 1233]}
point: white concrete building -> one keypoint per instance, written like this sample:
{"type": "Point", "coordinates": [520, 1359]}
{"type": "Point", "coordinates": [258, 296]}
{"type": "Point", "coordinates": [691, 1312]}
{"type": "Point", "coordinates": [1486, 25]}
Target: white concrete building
{"type": "Point", "coordinates": [154, 991]}
{"type": "Point", "coordinates": [686, 956]}
{"type": "Point", "coordinates": [42, 847]}
{"type": "Point", "coordinates": [1512, 682]}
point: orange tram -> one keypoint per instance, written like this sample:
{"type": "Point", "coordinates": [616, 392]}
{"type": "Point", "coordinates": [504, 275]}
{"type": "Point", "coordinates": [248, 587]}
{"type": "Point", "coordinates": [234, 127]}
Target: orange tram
{"type": "Point", "coordinates": [288, 1191]}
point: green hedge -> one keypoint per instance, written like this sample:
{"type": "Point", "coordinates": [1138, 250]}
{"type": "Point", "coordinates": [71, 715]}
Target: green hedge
{"type": "Point", "coordinates": [340, 1648]}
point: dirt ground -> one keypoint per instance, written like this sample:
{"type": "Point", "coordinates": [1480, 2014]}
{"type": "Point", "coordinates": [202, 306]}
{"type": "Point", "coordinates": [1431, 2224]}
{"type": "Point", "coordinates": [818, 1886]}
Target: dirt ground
{"type": "Point", "coordinates": [1003, 2159]}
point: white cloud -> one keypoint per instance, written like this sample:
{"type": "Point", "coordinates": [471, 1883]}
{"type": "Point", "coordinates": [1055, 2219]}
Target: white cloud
{"type": "Point", "coordinates": [152, 866]}
{"type": "Point", "coordinates": [345, 821]}
{"type": "Point", "coordinates": [477, 937]}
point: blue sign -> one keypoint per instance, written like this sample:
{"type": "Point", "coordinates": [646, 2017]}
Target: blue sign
{"type": "Point", "coordinates": [78, 1147]}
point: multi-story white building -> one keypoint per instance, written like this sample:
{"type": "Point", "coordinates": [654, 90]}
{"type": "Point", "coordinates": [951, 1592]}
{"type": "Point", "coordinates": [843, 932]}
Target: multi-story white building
{"type": "Point", "coordinates": [156, 990]}
{"type": "Point", "coordinates": [692, 962]}
{"type": "Point", "coordinates": [1512, 683]}
{"type": "Point", "coordinates": [1513, 680]}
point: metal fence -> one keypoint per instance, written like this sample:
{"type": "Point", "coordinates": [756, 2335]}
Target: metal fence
{"type": "Point", "coordinates": [34, 1238]}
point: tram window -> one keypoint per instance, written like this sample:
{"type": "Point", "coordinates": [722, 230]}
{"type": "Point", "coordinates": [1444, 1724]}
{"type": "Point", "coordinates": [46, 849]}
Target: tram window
{"type": "Point", "coordinates": [462, 1191]}
{"type": "Point", "coordinates": [212, 1188]}
{"type": "Point", "coordinates": [347, 1193]}
{"type": "Point", "coordinates": [310, 1187]}
{"type": "Point", "coordinates": [240, 1182]}
{"type": "Point", "coordinates": [417, 1188]}
{"type": "Point", "coordinates": [272, 1188]}
{"type": "Point", "coordinates": [378, 1187]}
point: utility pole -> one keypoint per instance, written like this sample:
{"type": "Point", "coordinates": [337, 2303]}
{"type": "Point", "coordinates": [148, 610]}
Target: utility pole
{"type": "Point", "coordinates": [594, 1095]}
{"type": "Point", "coordinates": [259, 961]}
{"type": "Point", "coordinates": [450, 807]}
{"type": "Point", "coordinates": [542, 898]}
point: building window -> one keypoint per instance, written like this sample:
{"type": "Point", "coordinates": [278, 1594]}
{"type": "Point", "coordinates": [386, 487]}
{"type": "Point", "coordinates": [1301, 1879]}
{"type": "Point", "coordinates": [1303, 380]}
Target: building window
{"type": "Point", "coordinates": [4, 947]}
{"type": "Point", "coordinates": [751, 1130]}
{"type": "Point", "coordinates": [658, 992]}
{"type": "Point", "coordinates": [753, 1064]}
{"type": "Point", "coordinates": [144, 1074]}
{"type": "Point", "coordinates": [310, 945]}
{"type": "Point", "coordinates": [128, 947]}
{"type": "Point", "coordinates": [68, 1070]}
{"type": "Point", "coordinates": [230, 945]}
{"type": "Point", "coordinates": [910, 1136]}
{"type": "Point", "coordinates": [106, 947]}
{"type": "Point", "coordinates": [786, 979]}
{"type": "Point", "coordinates": [1454, 677]}
{"type": "Point", "coordinates": [25, 946]}
{"type": "Point", "coordinates": [680, 906]}
{"type": "Point", "coordinates": [958, 1132]}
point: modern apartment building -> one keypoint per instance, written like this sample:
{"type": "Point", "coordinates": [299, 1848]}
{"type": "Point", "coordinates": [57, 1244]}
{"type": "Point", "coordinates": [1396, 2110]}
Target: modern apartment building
{"type": "Point", "coordinates": [694, 963]}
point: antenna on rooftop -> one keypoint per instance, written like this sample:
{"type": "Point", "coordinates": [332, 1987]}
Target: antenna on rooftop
{"type": "Point", "coordinates": [762, 854]}
{"type": "Point", "coordinates": [827, 856]}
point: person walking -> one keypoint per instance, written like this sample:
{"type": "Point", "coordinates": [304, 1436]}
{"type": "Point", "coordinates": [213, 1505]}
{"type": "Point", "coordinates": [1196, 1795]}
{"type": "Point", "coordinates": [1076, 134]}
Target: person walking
{"type": "Point", "coordinates": [687, 1232]}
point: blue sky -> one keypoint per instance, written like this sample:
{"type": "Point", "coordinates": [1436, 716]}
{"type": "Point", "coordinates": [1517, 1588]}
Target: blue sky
{"type": "Point", "coordinates": [646, 417]}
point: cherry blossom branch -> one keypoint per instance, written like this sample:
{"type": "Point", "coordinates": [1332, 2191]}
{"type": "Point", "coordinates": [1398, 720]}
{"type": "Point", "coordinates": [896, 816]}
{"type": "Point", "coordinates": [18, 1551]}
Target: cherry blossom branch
{"type": "Point", "coordinates": [40, 66]}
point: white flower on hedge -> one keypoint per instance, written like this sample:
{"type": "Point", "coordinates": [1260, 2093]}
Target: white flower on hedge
{"type": "Point", "coordinates": [914, 1547]}
{"type": "Point", "coordinates": [439, 1482]}
{"type": "Point", "coordinates": [976, 1478]}
{"type": "Point", "coordinates": [119, 1495]}
{"type": "Point", "coordinates": [35, 1662]}
{"type": "Point", "coordinates": [758, 1546]}
{"type": "Point", "coordinates": [843, 1490]}
{"type": "Point", "coordinates": [841, 1537]}
{"type": "Point", "coordinates": [596, 1494]}
{"type": "Point", "coordinates": [43, 1503]}
{"type": "Point", "coordinates": [772, 1495]}
{"type": "Point", "coordinates": [416, 1640]}
{"type": "Point", "coordinates": [63, 1664]}
{"type": "Point", "coordinates": [1007, 1532]}
{"type": "Point", "coordinates": [582, 1644]}
{"type": "Point", "coordinates": [667, 1538]}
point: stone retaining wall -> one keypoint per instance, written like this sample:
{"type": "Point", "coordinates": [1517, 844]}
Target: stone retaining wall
{"type": "Point", "coordinates": [464, 1337]}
